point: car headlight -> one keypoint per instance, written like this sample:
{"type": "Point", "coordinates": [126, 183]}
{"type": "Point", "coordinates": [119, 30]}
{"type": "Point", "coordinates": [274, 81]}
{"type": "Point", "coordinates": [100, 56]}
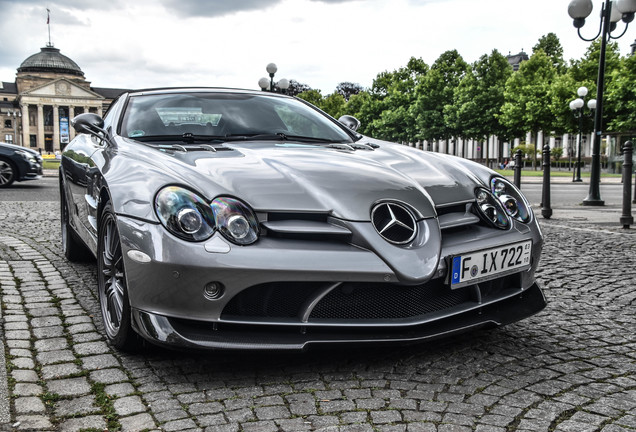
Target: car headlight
{"type": "Point", "coordinates": [491, 209]}
{"type": "Point", "coordinates": [29, 157]}
{"type": "Point", "coordinates": [235, 220]}
{"type": "Point", "coordinates": [184, 213]}
{"type": "Point", "coordinates": [511, 199]}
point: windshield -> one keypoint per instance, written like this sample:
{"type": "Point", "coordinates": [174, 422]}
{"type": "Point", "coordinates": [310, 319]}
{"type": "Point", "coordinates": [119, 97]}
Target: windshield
{"type": "Point", "coordinates": [226, 116]}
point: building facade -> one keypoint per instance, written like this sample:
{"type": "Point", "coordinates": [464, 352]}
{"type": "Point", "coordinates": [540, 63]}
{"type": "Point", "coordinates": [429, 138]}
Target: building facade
{"type": "Point", "coordinates": [49, 90]}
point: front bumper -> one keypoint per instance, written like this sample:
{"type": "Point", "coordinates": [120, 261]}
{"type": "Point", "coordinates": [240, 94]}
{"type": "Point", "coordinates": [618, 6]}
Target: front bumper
{"type": "Point", "coordinates": [292, 294]}
{"type": "Point", "coordinates": [180, 333]}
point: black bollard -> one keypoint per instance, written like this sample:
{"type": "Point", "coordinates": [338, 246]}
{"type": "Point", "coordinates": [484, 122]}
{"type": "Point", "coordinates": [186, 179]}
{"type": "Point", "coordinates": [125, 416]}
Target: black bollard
{"type": "Point", "coordinates": [517, 168]}
{"type": "Point", "coordinates": [546, 210]}
{"type": "Point", "coordinates": [626, 218]}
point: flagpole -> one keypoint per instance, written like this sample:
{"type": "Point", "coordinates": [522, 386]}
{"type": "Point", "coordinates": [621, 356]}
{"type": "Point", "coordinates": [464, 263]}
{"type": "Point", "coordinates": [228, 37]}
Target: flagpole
{"type": "Point", "coordinates": [48, 23]}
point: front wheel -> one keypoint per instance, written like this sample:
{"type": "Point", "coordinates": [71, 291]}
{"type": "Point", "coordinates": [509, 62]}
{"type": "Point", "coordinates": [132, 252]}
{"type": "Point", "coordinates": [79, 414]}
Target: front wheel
{"type": "Point", "coordinates": [113, 291]}
{"type": "Point", "coordinates": [7, 173]}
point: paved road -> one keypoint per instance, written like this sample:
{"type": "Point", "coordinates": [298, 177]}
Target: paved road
{"type": "Point", "coordinates": [45, 189]}
{"type": "Point", "coordinates": [572, 194]}
{"type": "Point", "coordinates": [570, 368]}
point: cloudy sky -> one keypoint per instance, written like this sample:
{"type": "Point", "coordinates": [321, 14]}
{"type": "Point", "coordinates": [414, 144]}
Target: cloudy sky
{"type": "Point", "coordinates": [151, 43]}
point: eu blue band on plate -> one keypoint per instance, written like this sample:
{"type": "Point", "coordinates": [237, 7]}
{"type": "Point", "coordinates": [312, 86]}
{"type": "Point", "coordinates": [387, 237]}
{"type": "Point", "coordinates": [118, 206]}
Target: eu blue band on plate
{"type": "Point", "coordinates": [457, 263]}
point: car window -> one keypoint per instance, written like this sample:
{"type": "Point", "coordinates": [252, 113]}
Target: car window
{"type": "Point", "coordinates": [225, 115]}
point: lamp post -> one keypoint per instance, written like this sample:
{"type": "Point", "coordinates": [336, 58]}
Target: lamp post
{"type": "Point", "coordinates": [17, 115]}
{"type": "Point", "coordinates": [578, 108]}
{"type": "Point", "coordinates": [611, 13]}
{"type": "Point", "coordinates": [268, 84]}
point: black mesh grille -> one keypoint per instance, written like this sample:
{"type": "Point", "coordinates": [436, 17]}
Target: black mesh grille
{"type": "Point", "coordinates": [386, 301]}
{"type": "Point", "coordinates": [273, 300]}
{"type": "Point", "coordinates": [358, 301]}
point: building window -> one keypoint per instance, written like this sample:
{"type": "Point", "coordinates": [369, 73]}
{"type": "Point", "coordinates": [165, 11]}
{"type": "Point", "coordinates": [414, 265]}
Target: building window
{"type": "Point", "coordinates": [33, 142]}
{"type": "Point", "coordinates": [8, 139]}
{"type": "Point", "coordinates": [48, 115]}
{"type": "Point", "coordinates": [7, 124]}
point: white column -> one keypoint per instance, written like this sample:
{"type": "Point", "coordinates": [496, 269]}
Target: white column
{"type": "Point", "coordinates": [40, 138]}
{"type": "Point", "coordinates": [56, 128]}
{"type": "Point", "coordinates": [71, 115]}
{"type": "Point", "coordinates": [25, 126]}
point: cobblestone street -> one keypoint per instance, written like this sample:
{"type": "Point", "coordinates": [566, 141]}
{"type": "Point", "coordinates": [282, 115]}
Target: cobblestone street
{"type": "Point", "coordinates": [570, 368]}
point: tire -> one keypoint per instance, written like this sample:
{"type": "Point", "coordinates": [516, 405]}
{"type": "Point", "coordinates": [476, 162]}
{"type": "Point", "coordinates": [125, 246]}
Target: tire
{"type": "Point", "coordinates": [8, 172]}
{"type": "Point", "coordinates": [112, 286]}
{"type": "Point", "coordinates": [74, 250]}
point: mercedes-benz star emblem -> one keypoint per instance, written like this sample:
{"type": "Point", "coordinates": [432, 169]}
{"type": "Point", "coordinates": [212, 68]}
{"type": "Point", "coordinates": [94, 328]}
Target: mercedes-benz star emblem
{"type": "Point", "coordinates": [394, 222]}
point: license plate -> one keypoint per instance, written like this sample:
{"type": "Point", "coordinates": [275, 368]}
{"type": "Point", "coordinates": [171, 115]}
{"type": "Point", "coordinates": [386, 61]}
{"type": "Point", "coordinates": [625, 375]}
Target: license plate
{"type": "Point", "coordinates": [489, 263]}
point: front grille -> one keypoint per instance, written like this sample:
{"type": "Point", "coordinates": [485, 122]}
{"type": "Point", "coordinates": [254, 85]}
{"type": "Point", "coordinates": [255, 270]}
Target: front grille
{"type": "Point", "coordinates": [272, 300]}
{"type": "Point", "coordinates": [356, 301]}
{"type": "Point", "coordinates": [359, 301]}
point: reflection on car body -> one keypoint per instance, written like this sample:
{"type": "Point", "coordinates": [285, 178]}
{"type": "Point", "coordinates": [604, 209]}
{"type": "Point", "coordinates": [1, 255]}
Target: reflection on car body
{"type": "Point", "coordinates": [250, 220]}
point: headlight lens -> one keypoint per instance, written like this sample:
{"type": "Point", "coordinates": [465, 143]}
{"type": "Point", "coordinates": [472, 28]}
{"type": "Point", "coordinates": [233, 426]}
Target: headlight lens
{"type": "Point", "coordinates": [189, 217]}
{"type": "Point", "coordinates": [491, 209]}
{"type": "Point", "coordinates": [29, 157]}
{"type": "Point", "coordinates": [184, 213]}
{"type": "Point", "coordinates": [235, 220]}
{"type": "Point", "coordinates": [511, 199]}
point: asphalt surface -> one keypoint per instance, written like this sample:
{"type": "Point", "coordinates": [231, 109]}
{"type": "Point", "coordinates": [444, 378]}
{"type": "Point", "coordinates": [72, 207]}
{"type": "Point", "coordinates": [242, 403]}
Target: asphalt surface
{"type": "Point", "coordinates": [571, 367]}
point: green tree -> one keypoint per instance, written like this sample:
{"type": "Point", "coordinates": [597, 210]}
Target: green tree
{"type": "Point", "coordinates": [562, 92]}
{"type": "Point", "coordinates": [478, 99]}
{"type": "Point", "coordinates": [334, 105]}
{"type": "Point", "coordinates": [295, 88]}
{"type": "Point", "coordinates": [585, 70]}
{"type": "Point", "coordinates": [527, 96]}
{"type": "Point", "coordinates": [348, 89]}
{"type": "Point", "coordinates": [551, 45]}
{"type": "Point", "coordinates": [312, 96]}
{"type": "Point", "coordinates": [621, 97]}
{"type": "Point", "coordinates": [433, 92]}
{"type": "Point", "coordinates": [384, 111]}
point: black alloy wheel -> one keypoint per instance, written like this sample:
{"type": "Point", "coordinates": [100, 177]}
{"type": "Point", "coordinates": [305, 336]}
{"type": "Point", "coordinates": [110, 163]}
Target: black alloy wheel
{"type": "Point", "coordinates": [113, 292]}
{"type": "Point", "coordinates": [7, 173]}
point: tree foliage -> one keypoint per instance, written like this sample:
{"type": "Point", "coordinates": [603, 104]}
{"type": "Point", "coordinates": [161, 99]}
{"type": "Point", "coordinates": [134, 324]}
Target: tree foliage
{"type": "Point", "coordinates": [451, 99]}
{"type": "Point", "coordinates": [433, 92]}
{"type": "Point", "coordinates": [296, 88]}
{"type": "Point", "coordinates": [551, 46]}
{"type": "Point", "coordinates": [347, 89]}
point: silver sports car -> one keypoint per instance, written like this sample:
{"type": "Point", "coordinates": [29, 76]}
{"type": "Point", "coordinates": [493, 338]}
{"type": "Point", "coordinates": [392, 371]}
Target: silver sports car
{"type": "Point", "coordinates": [251, 220]}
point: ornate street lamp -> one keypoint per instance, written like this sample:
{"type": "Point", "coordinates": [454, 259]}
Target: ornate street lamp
{"type": "Point", "coordinates": [17, 115]}
{"type": "Point", "coordinates": [611, 13]}
{"type": "Point", "coordinates": [268, 84]}
{"type": "Point", "coordinates": [578, 108]}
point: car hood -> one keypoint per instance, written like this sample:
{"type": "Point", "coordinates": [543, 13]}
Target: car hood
{"type": "Point", "coordinates": [286, 177]}
{"type": "Point", "coordinates": [17, 147]}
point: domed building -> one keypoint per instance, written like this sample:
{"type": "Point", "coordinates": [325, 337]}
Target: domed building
{"type": "Point", "coordinates": [49, 90]}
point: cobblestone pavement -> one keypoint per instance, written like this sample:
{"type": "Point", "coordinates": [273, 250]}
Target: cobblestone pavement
{"type": "Point", "coordinates": [570, 368]}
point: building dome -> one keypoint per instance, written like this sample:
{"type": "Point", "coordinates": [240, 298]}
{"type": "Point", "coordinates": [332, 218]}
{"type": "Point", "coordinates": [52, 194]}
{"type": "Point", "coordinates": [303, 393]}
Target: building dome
{"type": "Point", "coordinates": [49, 59]}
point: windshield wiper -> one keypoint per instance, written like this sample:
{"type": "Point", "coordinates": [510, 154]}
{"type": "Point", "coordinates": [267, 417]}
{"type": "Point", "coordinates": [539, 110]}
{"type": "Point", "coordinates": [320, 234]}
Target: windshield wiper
{"type": "Point", "coordinates": [259, 136]}
{"type": "Point", "coordinates": [283, 137]}
{"type": "Point", "coordinates": [189, 138]}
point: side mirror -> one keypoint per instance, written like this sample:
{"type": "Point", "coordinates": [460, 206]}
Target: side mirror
{"type": "Point", "coordinates": [89, 123]}
{"type": "Point", "coordinates": [350, 121]}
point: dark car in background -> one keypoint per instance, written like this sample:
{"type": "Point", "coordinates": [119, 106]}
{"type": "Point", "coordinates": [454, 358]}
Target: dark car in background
{"type": "Point", "coordinates": [227, 219]}
{"type": "Point", "coordinates": [18, 164]}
